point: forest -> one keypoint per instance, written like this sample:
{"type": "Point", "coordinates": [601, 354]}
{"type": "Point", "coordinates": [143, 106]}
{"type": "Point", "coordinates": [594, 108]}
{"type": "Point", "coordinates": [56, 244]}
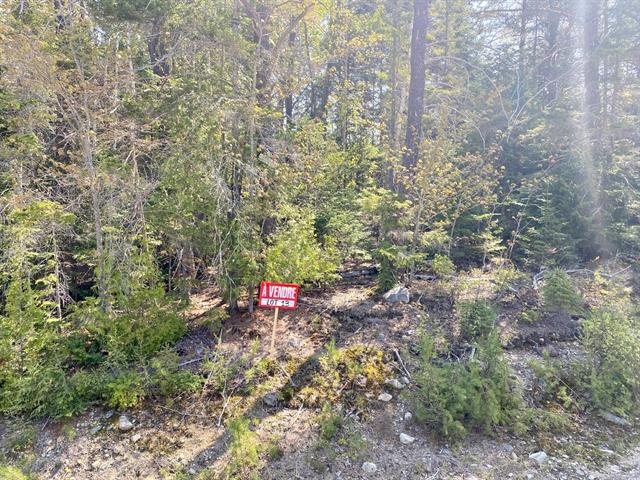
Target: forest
{"type": "Point", "coordinates": [160, 158]}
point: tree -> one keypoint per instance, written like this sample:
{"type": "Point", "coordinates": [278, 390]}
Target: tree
{"type": "Point", "coordinates": [415, 108]}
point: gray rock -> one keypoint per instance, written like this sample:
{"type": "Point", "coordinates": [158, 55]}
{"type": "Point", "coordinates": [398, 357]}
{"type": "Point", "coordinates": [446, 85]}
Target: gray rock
{"type": "Point", "coordinates": [124, 424]}
{"type": "Point", "coordinates": [507, 448]}
{"type": "Point", "coordinates": [96, 429]}
{"type": "Point", "coordinates": [406, 439]}
{"type": "Point", "coordinates": [136, 438]}
{"type": "Point", "coordinates": [270, 399]}
{"type": "Point", "coordinates": [384, 397]}
{"type": "Point", "coordinates": [539, 457]}
{"type": "Point", "coordinates": [397, 295]}
{"type": "Point", "coordinates": [369, 467]}
{"type": "Point", "coordinates": [108, 415]}
{"type": "Point", "coordinates": [395, 383]}
{"type": "Point", "coordinates": [406, 380]}
{"type": "Point", "coordinates": [408, 417]}
{"type": "Point", "coordinates": [611, 418]}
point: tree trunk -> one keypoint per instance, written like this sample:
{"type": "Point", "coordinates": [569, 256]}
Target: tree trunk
{"type": "Point", "coordinates": [157, 49]}
{"type": "Point", "coordinates": [416, 83]}
{"type": "Point", "coordinates": [591, 64]}
{"type": "Point", "coordinates": [550, 73]}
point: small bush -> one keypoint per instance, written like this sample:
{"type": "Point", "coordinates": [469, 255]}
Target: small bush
{"type": "Point", "coordinates": [41, 390]}
{"type": "Point", "coordinates": [559, 294]}
{"type": "Point", "coordinates": [9, 472]}
{"type": "Point", "coordinates": [214, 319]}
{"type": "Point", "coordinates": [611, 339]}
{"type": "Point", "coordinates": [168, 380]}
{"type": "Point", "coordinates": [126, 390]}
{"type": "Point", "coordinates": [456, 398]}
{"type": "Point", "coordinates": [296, 256]}
{"type": "Point", "coordinates": [553, 382]}
{"type": "Point", "coordinates": [477, 319]}
{"type": "Point", "coordinates": [442, 265]}
{"type": "Point", "coordinates": [530, 316]}
{"type": "Point", "coordinates": [329, 421]}
{"type": "Point", "coordinates": [244, 449]}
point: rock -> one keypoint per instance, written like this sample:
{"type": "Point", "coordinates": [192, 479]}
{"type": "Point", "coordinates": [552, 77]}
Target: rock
{"type": "Point", "coordinates": [395, 383]}
{"type": "Point", "coordinates": [96, 429]}
{"type": "Point", "coordinates": [124, 424]}
{"type": "Point", "coordinates": [406, 380]}
{"type": "Point", "coordinates": [108, 415]}
{"type": "Point", "coordinates": [384, 397]}
{"type": "Point", "coordinates": [369, 467]}
{"type": "Point", "coordinates": [408, 417]}
{"type": "Point", "coordinates": [397, 295]}
{"type": "Point", "coordinates": [270, 399]}
{"type": "Point", "coordinates": [539, 457]}
{"type": "Point", "coordinates": [611, 418]}
{"type": "Point", "coordinates": [192, 471]}
{"type": "Point", "coordinates": [406, 439]}
{"type": "Point", "coordinates": [507, 448]}
{"type": "Point", "coordinates": [136, 438]}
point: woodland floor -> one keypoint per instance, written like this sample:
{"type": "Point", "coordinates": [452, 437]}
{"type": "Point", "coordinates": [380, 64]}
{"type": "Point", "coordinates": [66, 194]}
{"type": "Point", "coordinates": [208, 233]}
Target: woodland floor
{"type": "Point", "coordinates": [182, 437]}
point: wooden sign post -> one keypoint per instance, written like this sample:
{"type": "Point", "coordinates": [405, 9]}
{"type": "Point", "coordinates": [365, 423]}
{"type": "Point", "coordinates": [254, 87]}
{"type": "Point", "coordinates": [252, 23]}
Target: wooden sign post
{"type": "Point", "coordinates": [278, 295]}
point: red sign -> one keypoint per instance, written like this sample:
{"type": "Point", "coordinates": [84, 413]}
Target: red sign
{"type": "Point", "coordinates": [278, 295]}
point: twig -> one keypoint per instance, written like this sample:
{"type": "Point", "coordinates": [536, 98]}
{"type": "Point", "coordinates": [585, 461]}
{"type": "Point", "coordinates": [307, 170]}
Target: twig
{"type": "Point", "coordinates": [402, 363]}
{"type": "Point", "coordinates": [287, 374]}
{"type": "Point", "coordinates": [224, 407]}
{"type": "Point", "coordinates": [183, 413]}
{"type": "Point", "coordinates": [189, 362]}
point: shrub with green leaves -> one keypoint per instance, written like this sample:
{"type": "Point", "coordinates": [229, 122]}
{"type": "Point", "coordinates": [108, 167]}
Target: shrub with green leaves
{"type": "Point", "coordinates": [442, 265]}
{"type": "Point", "coordinates": [126, 390]}
{"type": "Point", "coordinates": [477, 318]}
{"type": "Point", "coordinates": [244, 449]}
{"type": "Point", "coordinates": [611, 339]}
{"type": "Point", "coordinates": [554, 382]}
{"type": "Point", "coordinates": [8, 472]}
{"type": "Point", "coordinates": [456, 398]}
{"type": "Point", "coordinates": [296, 256]}
{"type": "Point", "coordinates": [329, 421]}
{"type": "Point", "coordinates": [167, 379]}
{"type": "Point", "coordinates": [559, 294]}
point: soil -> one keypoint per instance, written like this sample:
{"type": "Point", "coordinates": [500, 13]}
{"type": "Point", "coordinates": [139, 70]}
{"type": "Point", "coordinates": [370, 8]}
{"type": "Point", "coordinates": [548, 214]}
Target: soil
{"type": "Point", "coordinates": [182, 437]}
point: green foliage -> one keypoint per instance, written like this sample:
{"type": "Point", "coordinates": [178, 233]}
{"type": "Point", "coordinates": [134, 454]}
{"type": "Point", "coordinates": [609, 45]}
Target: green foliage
{"type": "Point", "coordinates": [166, 378]}
{"type": "Point", "coordinates": [8, 472]}
{"type": "Point", "coordinates": [295, 255]}
{"type": "Point", "coordinates": [214, 319]}
{"type": "Point", "coordinates": [329, 421]}
{"type": "Point", "coordinates": [23, 438]}
{"type": "Point", "coordinates": [455, 398]}
{"type": "Point", "coordinates": [125, 390]}
{"type": "Point", "coordinates": [612, 372]}
{"type": "Point", "coordinates": [244, 449]}
{"type": "Point", "coordinates": [559, 294]}
{"type": "Point", "coordinates": [477, 318]}
{"type": "Point", "coordinates": [530, 315]}
{"type": "Point", "coordinates": [345, 366]}
{"type": "Point", "coordinates": [442, 265]}
{"type": "Point", "coordinates": [554, 383]}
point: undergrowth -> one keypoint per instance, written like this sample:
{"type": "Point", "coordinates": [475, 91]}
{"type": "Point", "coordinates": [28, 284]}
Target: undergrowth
{"type": "Point", "coordinates": [344, 374]}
